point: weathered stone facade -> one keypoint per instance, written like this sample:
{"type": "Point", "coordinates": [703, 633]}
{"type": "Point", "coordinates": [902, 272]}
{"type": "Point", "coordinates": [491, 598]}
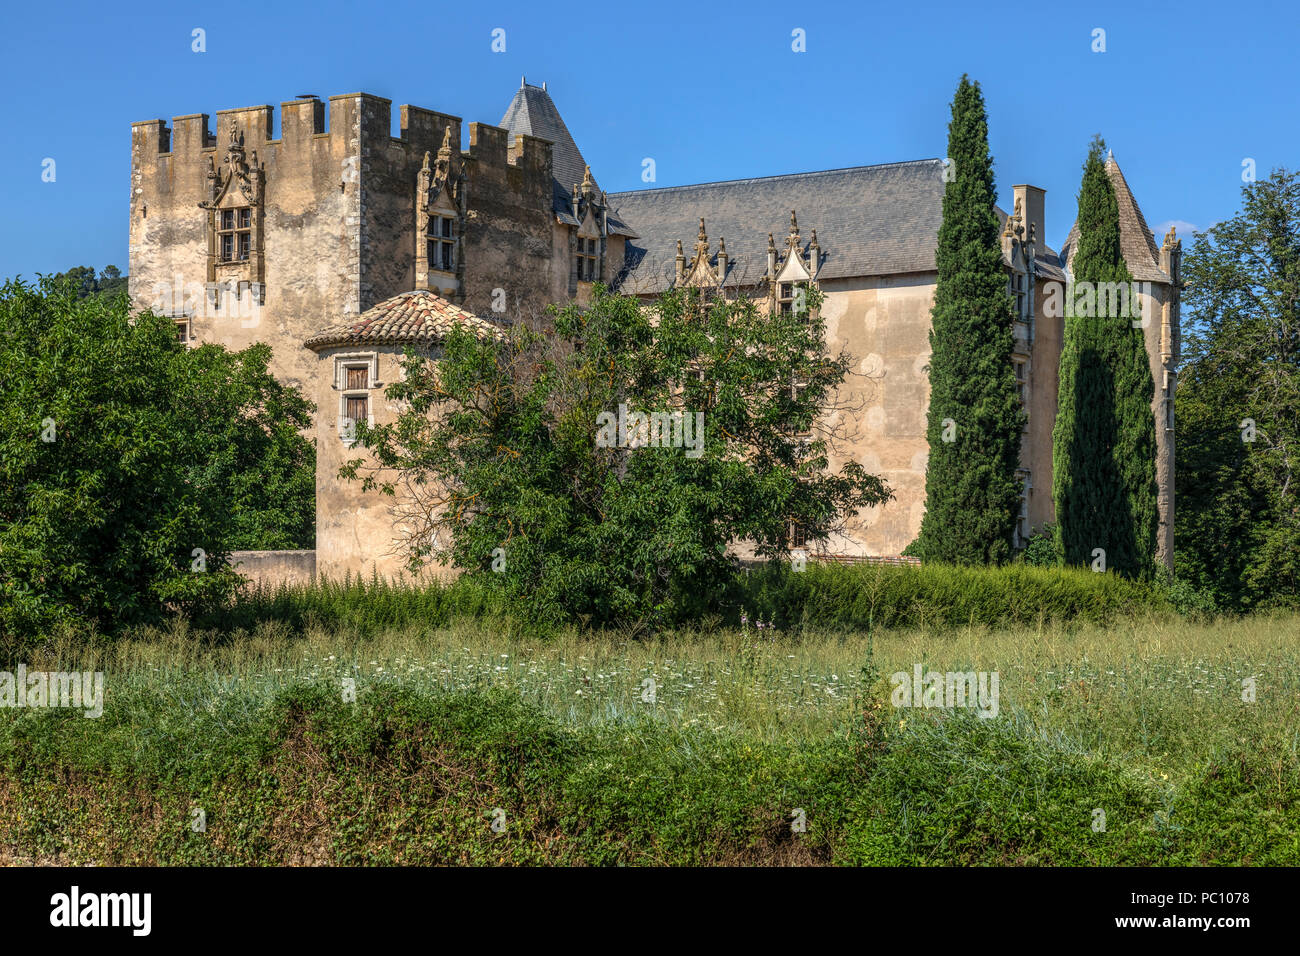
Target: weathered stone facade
{"type": "Point", "coordinates": [243, 237]}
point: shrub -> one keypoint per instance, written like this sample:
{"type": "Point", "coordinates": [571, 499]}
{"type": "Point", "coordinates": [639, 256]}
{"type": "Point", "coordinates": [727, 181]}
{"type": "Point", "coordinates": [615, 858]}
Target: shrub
{"type": "Point", "coordinates": [1043, 550]}
{"type": "Point", "coordinates": [860, 597]}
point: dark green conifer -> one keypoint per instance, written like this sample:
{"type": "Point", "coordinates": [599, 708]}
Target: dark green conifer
{"type": "Point", "coordinates": [975, 420]}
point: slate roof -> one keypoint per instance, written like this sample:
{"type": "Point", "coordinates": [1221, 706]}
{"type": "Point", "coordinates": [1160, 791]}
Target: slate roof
{"type": "Point", "coordinates": [411, 318]}
{"type": "Point", "coordinates": [870, 220]}
{"type": "Point", "coordinates": [1136, 242]}
{"type": "Point", "coordinates": [533, 113]}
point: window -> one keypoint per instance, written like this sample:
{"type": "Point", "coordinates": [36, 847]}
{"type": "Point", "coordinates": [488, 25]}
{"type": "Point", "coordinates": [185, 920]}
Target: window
{"type": "Point", "coordinates": [1022, 385]}
{"type": "Point", "coordinates": [588, 259]}
{"type": "Point", "coordinates": [442, 243]}
{"type": "Point", "coordinates": [791, 298]}
{"type": "Point", "coordinates": [183, 331]}
{"type": "Point", "coordinates": [785, 298]}
{"type": "Point", "coordinates": [796, 394]}
{"type": "Point", "coordinates": [705, 392]}
{"type": "Point", "coordinates": [355, 406]}
{"type": "Point", "coordinates": [356, 409]}
{"type": "Point", "coordinates": [234, 234]}
{"type": "Point", "coordinates": [798, 535]}
{"type": "Point", "coordinates": [1018, 293]}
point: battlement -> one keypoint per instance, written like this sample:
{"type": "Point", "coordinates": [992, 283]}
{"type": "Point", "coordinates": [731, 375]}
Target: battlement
{"type": "Point", "coordinates": [299, 119]}
{"type": "Point", "coordinates": [304, 119]}
{"type": "Point", "coordinates": [528, 159]}
{"type": "Point", "coordinates": [307, 145]}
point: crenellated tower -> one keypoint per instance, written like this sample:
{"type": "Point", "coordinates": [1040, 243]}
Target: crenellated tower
{"type": "Point", "coordinates": [242, 237]}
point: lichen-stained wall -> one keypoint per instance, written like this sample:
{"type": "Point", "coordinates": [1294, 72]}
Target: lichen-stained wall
{"type": "Point", "coordinates": [273, 568]}
{"type": "Point", "coordinates": [1159, 316]}
{"type": "Point", "coordinates": [357, 532]}
{"type": "Point", "coordinates": [508, 235]}
{"type": "Point", "coordinates": [878, 418]}
{"type": "Point", "coordinates": [390, 168]}
{"type": "Point", "coordinates": [311, 232]}
{"type": "Point", "coordinates": [884, 324]}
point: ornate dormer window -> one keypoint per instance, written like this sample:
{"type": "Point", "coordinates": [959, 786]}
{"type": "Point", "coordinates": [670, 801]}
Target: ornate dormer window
{"type": "Point", "coordinates": [440, 220]}
{"type": "Point", "coordinates": [794, 273]}
{"type": "Point", "coordinates": [235, 218]}
{"type": "Point", "coordinates": [1018, 294]}
{"type": "Point", "coordinates": [442, 243]}
{"type": "Point", "coordinates": [588, 244]}
{"type": "Point", "coordinates": [705, 271]}
{"type": "Point", "coordinates": [234, 234]}
{"type": "Point", "coordinates": [588, 264]}
{"type": "Point", "coordinates": [787, 292]}
{"type": "Point", "coordinates": [1019, 253]}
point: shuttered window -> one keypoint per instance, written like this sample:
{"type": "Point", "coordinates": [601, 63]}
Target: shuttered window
{"type": "Point", "coordinates": [356, 408]}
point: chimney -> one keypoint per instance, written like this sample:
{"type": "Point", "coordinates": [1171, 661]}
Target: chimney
{"type": "Point", "coordinates": [1031, 207]}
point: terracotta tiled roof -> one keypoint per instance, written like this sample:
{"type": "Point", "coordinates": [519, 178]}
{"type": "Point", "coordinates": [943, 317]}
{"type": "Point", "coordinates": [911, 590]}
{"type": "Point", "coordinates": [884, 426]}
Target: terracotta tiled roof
{"type": "Point", "coordinates": [1136, 242]}
{"type": "Point", "coordinates": [411, 318]}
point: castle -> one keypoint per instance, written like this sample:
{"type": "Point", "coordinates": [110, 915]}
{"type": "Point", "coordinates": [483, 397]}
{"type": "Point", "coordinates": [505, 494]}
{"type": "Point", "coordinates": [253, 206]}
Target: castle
{"type": "Point", "coordinates": [341, 245]}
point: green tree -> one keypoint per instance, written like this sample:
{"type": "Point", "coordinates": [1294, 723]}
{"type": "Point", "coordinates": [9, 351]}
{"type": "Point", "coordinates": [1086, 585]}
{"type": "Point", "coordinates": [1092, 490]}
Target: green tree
{"type": "Point", "coordinates": [975, 419]}
{"type": "Point", "coordinates": [521, 474]}
{"type": "Point", "coordinates": [122, 452]}
{"type": "Point", "coordinates": [1104, 444]}
{"type": "Point", "coordinates": [1237, 520]}
{"type": "Point", "coordinates": [109, 282]}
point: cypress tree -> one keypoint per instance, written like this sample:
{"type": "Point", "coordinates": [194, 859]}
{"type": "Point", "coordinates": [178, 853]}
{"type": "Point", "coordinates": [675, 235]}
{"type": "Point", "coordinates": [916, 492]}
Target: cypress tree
{"type": "Point", "coordinates": [1103, 454]}
{"type": "Point", "coordinates": [974, 421]}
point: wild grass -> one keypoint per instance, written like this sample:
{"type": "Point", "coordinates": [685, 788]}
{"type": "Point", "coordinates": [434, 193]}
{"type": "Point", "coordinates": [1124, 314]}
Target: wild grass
{"type": "Point", "coordinates": [1144, 719]}
{"type": "Point", "coordinates": [1157, 693]}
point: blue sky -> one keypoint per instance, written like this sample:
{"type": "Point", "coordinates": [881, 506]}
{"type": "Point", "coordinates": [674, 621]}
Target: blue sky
{"type": "Point", "coordinates": [1183, 93]}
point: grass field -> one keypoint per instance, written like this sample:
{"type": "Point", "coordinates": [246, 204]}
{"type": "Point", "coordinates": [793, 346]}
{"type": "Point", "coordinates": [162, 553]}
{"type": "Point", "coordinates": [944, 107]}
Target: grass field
{"type": "Point", "coordinates": [564, 745]}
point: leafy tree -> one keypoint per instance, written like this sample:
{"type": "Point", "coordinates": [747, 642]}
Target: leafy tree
{"type": "Point", "coordinates": [1104, 444]}
{"type": "Point", "coordinates": [515, 472]}
{"type": "Point", "coordinates": [109, 282]}
{"type": "Point", "coordinates": [974, 420]}
{"type": "Point", "coordinates": [1237, 515]}
{"type": "Point", "coordinates": [121, 452]}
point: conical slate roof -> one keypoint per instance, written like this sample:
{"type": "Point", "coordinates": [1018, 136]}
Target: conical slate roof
{"type": "Point", "coordinates": [532, 112]}
{"type": "Point", "coordinates": [1137, 244]}
{"type": "Point", "coordinates": [411, 318]}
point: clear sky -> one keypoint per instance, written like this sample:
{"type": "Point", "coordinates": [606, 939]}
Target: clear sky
{"type": "Point", "coordinates": [1184, 92]}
